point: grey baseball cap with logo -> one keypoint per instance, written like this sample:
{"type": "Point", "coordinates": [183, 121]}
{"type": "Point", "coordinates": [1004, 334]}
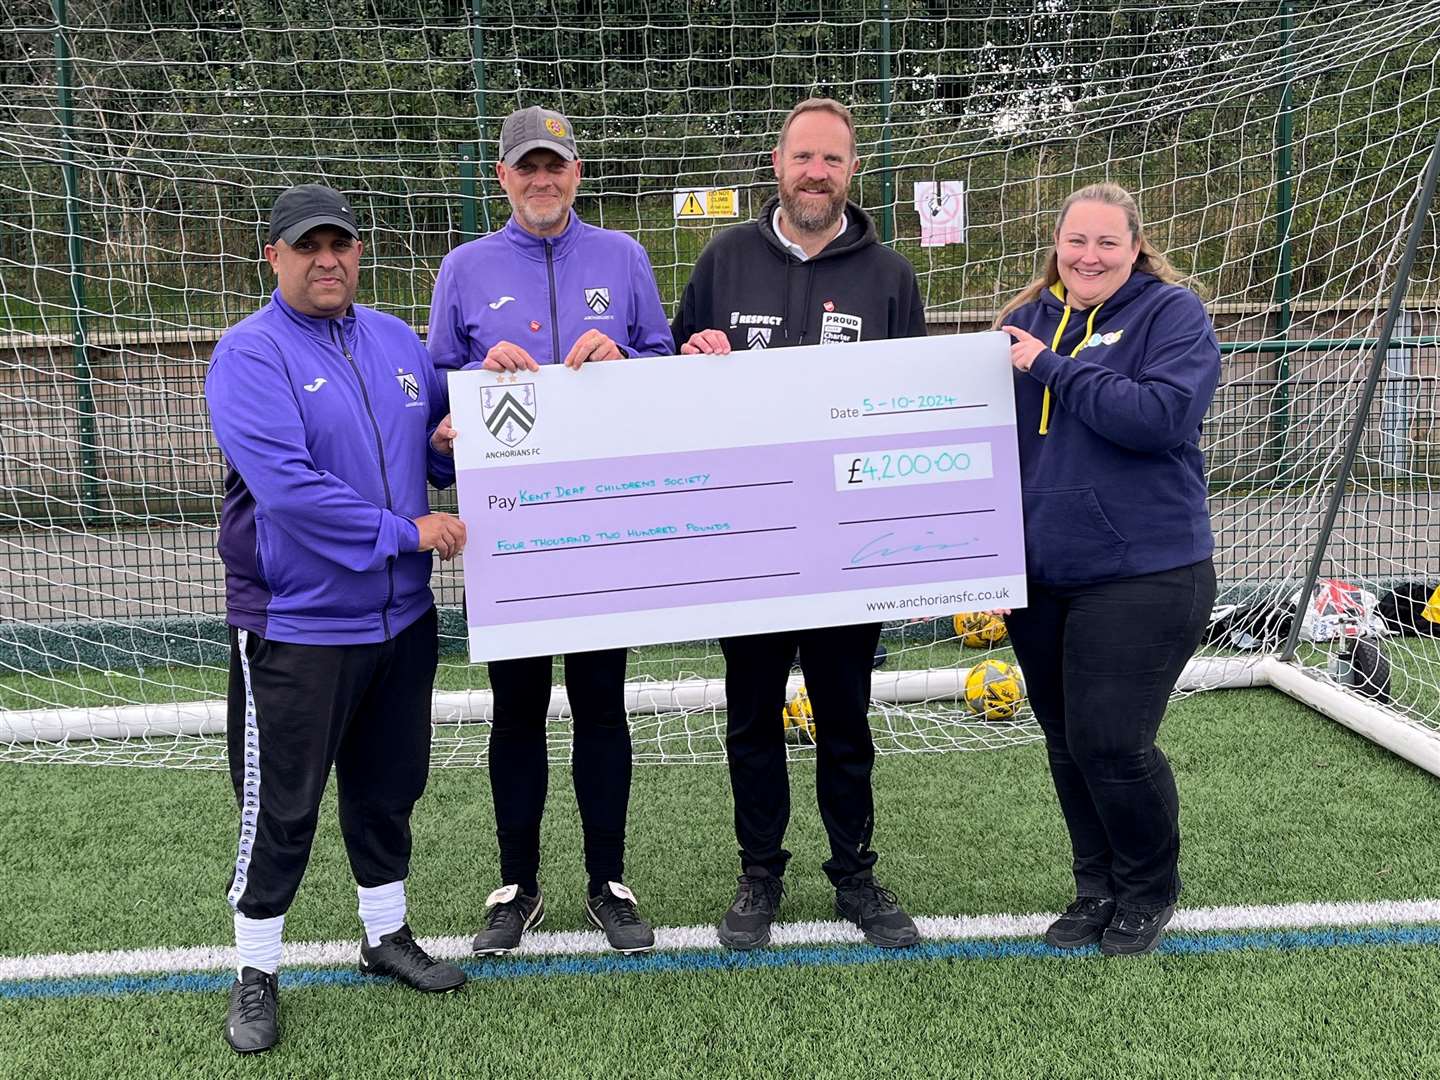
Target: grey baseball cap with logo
{"type": "Point", "coordinates": [536, 129]}
{"type": "Point", "coordinates": [308, 206]}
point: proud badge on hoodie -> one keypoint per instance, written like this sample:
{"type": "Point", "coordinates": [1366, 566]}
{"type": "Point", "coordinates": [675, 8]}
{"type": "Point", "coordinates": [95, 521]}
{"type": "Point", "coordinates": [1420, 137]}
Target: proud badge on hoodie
{"type": "Point", "coordinates": [836, 327]}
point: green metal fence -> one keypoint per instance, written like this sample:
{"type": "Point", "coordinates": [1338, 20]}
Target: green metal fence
{"type": "Point", "coordinates": [1273, 145]}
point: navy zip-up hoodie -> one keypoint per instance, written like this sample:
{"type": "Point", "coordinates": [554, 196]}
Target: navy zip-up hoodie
{"type": "Point", "coordinates": [1115, 487]}
{"type": "Point", "coordinates": [325, 425]}
{"type": "Point", "coordinates": [543, 294]}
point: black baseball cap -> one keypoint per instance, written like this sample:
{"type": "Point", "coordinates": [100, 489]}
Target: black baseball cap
{"type": "Point", "coordinates": [308, 206]}
{"type": "Point", "coordinates": [536, 129]}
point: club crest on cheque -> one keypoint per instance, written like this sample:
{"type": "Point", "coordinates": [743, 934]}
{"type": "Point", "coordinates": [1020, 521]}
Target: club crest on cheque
{"type": "Point", "coordinates": [508, 411]}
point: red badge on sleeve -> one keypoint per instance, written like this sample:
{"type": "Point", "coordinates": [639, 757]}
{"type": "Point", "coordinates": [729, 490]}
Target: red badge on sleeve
{"type": "Point", "coordinates": [534, 326]}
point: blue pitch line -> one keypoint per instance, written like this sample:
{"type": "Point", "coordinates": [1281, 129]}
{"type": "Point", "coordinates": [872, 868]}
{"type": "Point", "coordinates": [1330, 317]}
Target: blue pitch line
{"type": "Point", "coordinates": [707, 960]}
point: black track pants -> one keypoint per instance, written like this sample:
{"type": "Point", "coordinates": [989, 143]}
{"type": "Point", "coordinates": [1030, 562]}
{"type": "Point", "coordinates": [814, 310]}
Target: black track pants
{"type": "Point", "coordinates": [293, 711]}
{"type": "Point", "coordinates": [837, 663]}
{"type": "Point", "coordinates": [600, 762]}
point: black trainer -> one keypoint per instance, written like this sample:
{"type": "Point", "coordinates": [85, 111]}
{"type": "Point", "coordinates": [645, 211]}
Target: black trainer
{"type": "Point", "coordinates": [253, 1023]}
{"type": "Point", "coordinates": [1082, 924]}
{"type": "Point", "coordinates": [1134, 932]}
{"type": "Point", "coordinates": [614, 911]}
{"type": "Point", "coordinates": [508, 914]}
{"type": "Point", "coordinates": [875, 911]}
{"type": "Point", "coordinates": [757, 899]}
{"type": "Point", "coordinates": [400, 956]}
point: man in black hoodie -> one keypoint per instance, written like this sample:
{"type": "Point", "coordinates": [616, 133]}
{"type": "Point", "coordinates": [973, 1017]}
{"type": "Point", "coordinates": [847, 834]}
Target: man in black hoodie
{"type": "Point", "coordinates": [808, 271]}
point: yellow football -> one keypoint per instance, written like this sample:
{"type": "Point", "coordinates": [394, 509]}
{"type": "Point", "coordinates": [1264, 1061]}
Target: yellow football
{"type": "Point", "coordinates": [799, 719]}
{"type": "Point", "coordinates": [994, 690]}
{"type": "Point", "coordinates": [980, 629]}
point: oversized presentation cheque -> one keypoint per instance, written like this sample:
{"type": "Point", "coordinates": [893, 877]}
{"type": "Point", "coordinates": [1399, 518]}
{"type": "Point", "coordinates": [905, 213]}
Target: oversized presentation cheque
{"type": "Point", "coordinates": [689, 497]}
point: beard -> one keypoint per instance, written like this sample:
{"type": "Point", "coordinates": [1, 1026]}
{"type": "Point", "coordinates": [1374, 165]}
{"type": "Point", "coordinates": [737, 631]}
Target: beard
{"type": "Point", "coordinates": [538, 221]}
{"type": "Point", "coordinates": [808, 217]}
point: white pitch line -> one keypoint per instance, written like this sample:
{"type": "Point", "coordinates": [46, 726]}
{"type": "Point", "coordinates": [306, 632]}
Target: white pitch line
{"type": "Point", "coordinates": [592, 942]}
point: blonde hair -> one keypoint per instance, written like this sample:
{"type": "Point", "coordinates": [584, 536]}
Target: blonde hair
{"type": "Point", "coordinates": [820, 104]}
{"type": "Point", "coordinates": [1149, 259]}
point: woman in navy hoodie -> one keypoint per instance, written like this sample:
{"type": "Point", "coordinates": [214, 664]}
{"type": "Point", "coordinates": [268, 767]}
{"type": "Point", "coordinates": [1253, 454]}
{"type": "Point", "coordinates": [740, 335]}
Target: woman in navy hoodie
{"type": "Point", "coordinates": [1115, 365]}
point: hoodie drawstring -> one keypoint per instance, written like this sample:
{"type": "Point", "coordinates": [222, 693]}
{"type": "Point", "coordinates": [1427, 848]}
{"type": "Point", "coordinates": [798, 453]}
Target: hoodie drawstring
{"type": "Point", "coordinates": [785, 317]}
{"type": "Point", "coordinates": [1055, 347]}
{"type": "Point", "coordinates": [809, 294]}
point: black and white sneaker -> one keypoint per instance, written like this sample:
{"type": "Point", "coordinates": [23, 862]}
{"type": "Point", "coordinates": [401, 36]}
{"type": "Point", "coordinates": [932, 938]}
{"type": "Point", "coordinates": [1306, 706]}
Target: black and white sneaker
{"type": "Point", "coordinates": [400, 956]}
{"type": "Point", "coordinates": [1082, 923]}
{"type": "Point", "coordinates": [253, 1023]}
{"type": "Point", "coordinates": [1134, 932]}
{"type": "Point", "coordinates": [614, 911]}
{"type": "Point", "coordinates": [757, 901]}
{"type": "Point", "coordinates": [876, 912]}
{"type": "Point", "coordinates": [508, 914]}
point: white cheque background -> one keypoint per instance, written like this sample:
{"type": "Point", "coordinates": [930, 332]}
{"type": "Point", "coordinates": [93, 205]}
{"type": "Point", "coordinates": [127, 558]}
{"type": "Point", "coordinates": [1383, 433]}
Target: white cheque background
{"type": "Point", "coordinates": [665, 404]}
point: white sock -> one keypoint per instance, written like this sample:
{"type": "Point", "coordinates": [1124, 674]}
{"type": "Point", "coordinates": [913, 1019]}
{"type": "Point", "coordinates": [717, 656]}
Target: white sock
{"type": "Point", "coordinates": [382, 910]}
{"type": "Point", "coordinates": [257, 941]}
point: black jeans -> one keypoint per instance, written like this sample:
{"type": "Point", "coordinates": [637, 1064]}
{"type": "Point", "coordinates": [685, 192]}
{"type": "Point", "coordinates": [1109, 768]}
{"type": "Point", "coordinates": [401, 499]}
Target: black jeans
{"type": "Point", "coordinates": [837, 663]}
{"type": "Point", "coordinates": [294, 710]}
{"type": "Point", "coordinates": [1100, 662]}
{"type": "Point", "coordinates": [600, 759]}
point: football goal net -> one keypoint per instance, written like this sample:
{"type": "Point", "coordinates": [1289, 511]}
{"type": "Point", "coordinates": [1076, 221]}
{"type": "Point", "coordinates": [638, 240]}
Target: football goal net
{"type": "Point", "coordinates": [1278, 150]}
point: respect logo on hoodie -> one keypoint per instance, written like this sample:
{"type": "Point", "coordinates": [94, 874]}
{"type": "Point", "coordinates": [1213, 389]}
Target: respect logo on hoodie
{"type": "Point", "coordinates": [758, 327]}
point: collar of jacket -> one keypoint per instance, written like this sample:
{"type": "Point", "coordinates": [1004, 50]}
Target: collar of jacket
{"type": "Point", "coordinates": [1053, 298]}
{"type": "Point", "coordinates": [310, 324]}
{"type": "Point", "coordinates": [533, 247]}
{"type": "Point", "coordinates": [859, 234]}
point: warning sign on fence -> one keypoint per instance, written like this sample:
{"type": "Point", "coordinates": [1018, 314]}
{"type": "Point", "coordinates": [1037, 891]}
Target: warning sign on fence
{"type": "Point", "coordinates": [707, 203]}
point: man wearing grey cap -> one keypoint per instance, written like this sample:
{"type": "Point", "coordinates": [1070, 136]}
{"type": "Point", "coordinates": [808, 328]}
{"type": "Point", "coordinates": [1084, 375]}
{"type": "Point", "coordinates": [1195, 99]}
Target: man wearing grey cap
{"type": "Point", "coordinates": [331, 418]}
{"type": "Point", "coordinates": [549, 289]}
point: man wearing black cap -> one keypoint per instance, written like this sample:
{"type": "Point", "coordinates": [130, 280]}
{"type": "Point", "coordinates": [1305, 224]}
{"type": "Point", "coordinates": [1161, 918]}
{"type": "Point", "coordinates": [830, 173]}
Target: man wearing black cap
{"type": "Point", "coordinates": [549, 289]}
{"type": "Point", "coordinates": [331, 418]}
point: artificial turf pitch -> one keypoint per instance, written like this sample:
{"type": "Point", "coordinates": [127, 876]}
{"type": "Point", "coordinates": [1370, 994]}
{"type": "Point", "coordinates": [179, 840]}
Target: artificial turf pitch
{"type": "Point", "coordinates": [1279, 806]}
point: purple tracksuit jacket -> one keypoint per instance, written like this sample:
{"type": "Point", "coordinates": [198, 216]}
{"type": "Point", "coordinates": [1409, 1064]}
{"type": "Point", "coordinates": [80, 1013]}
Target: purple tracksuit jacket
{"type": "Point", "coordinates": [325, 426]}
{"type": "Point", "coordinates": [542, 294]}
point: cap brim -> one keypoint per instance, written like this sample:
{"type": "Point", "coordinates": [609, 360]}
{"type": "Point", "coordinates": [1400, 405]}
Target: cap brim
{"type": "Point", "coordinates": [300, 228]}
{"type": "Point", "coordinates": [515, 153]}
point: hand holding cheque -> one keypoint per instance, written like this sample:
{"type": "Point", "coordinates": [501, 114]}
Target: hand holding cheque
{"type": "Point", "coordinates": [670, 499]}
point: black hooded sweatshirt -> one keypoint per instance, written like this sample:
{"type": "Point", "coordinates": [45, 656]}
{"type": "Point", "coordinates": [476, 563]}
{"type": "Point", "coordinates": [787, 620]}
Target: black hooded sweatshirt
{"type": "Point", "coordinates": [749, 285]}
